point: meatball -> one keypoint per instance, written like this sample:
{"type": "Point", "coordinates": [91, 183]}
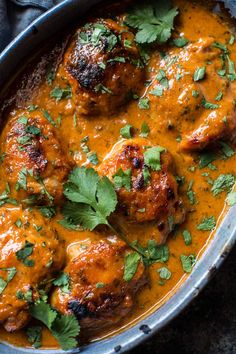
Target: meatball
{"type": "Point", "coordinates": [30, 254]}
{"type": "Point", "coordinates": [195, 100]}
{"type": "Point", "coordinates": [99, 296]}
{"type": "Point", "coordinates": [34, 163]}
{"type": "Point", "coordinates": [103, 67]}
{"type": "Point", "coordinates": [146, 187]}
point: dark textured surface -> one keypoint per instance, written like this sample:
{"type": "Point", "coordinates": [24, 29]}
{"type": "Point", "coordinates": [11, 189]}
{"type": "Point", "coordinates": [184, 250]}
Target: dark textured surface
{"type": "Point", "coordinates": [208, 325]}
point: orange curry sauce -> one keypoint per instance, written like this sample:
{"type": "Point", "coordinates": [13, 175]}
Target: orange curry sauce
{"type": "Point", "coordinates": [171, 118]}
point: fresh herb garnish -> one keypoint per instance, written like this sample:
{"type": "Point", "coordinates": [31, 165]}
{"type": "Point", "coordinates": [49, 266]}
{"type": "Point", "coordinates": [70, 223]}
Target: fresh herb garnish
{"type": "Point", "coordinates": [145, 130]}
{"type": "Point", "coordinates": [207, 224]}
{"type": "Point", "coordinates": [61, 93]}
{"type": "Point", "coordinates": [187, 262]}
{"type": "Point", "coordinates": [48, 117]}
{"type": "Point", "coordinates": [219, 96]}
{"type": "Point", "coordinates": [22, 179]}
{"type": "Point", "coordinates": [152, 157]}
{"type": "Point", "coordinates": [164, 273]}
{"type": "Point", "coordinates": [103, 89]}
{"type": "Point", "coordinates": [195, 93]}
{"type": "Point", "coordinates": [100, 285]}
{"type": "Point", "coordinates": [146, 175]}
{"type": "Point", "coordinates": [24, 253]}
{"type": "Point", "coordinates": [187, 237]}
{"type": "Point", "coordinates": [50, 74]}
{"type": "Point", "coordinates": [47, 212]}
{"type": "Point", "coordinates": [131, 265]}
{"type": "Point", "coordinates": [232, 39]}
{"type": "Point", "coordinates": [154, 21]}
{"type": "Point", "coordinates": [93, 158]}
{"type": "Point", "coordinates": [231, 198]}
{"type": "Point", "coordinates": [180, 42]}
{"type": "Point", "coordinates": [206, 158]}
{"type": "Point", "coordinates": [63, 282]}
{"type": "Point", "coordinates": [157, 91]}
{"type": "Point", "coordinates": [209, 105]}
{"type": "Point", "coordinates": [99, 33]}
{"type": "Point", "coordinates": [223, 183]}
{"type": "Point", "coordinates": [143, 103]}
{"type": "Point", "coordinates": [161, 77]}
{"type": "Point", "coordinates": [11, 272]}
{"type": "Point", "coordinates": [122, 179]}
{"type": "Point", "coordinates": [191, 194]}
{"type": "Point", "coordinates": [64, 328]}
{"type": "Point", "coordinates": [199, 74]}
{"type": "Point", "coordinates": [34, 335]}
{"type": "Point", "coordinates": [91, 199]}
{"type": "Point", "coordinates": [226, 149]}
{"type": "Point", "coordinates": [126, 131]}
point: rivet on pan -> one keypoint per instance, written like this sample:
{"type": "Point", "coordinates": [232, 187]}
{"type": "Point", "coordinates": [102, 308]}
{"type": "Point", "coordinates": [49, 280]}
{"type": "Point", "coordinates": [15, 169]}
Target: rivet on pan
{"type": "Point", "coordinates": [117, 348]}
{"type": "Point", "coordinates": [145, 329]}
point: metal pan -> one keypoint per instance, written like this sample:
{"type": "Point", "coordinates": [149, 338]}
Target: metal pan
{"type": "Point", "coordinates": [38, 32]}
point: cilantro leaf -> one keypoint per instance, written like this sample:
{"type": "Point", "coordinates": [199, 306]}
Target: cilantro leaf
{"type": "Point", "coordinates": [44, 313]}
{"type": "Point", "coordinates": [206, 158]}
{"type": "Point", "coordinates": [226, 149]}
{"type": "Point", "coordinates": [199, 73]}
{"type": "Point", "coordinates": [93, 158]}
{"type": "Point", "coordinates": [222, 183]}
{"type": "Point", "coordinates": [144, 103]}
{"type": "Point", "coordinates": [145, 130]}
{"type": "Point", "coordinates": [60, 93]}
{"type": "Point", "coordinates": [24, 253]}
{"type": "Point", "coordinates": [64, 328]}
{"type": "Point", "coordinates": [92, 199]}
{"type": "Point", "coordinates": [123, 179]}
{"type": "Point", "coordinates": [34, 335]}
{"type": "Point", "coordinates": [164, 273]}
{"type": "Point", "coordinates": [48, 117]}
{"type": "Point", "coordinates": [157, 253]}
{"type": "Point", "coordinates": [157, 91]}
{"type": "Point", "coordinates": [207, 224]}
{"type": "Point", "coordinates": [126, 131]}
{"type": "Point", "coordinates": [154, 21]}
{"type": "Point", "coordinates": [187, 237]}
{"type": "Point", "coordinates": [187, 262]}
{"type": "Point", "coordinates": [47, 212]}
{"type": "Point", "coordinates": [209, 105]}
{"type": "Point", "coordinates": [131, 265]}
{"type": "Point", "coordinates": [180, 42]}
{"type": "Point", "coordinates": [11, 272]}
{"type": "Point", "coordinates": [152, 157]}
{"type": "Point", "coordinates": [63, 282]}
{"type": "Point", "coordinates": [231, 198]}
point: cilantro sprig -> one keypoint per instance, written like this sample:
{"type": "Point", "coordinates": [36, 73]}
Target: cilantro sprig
{"type": "Point", "coordinates": [90, 202]}
{"type": "Point", "coordinates": [153, 20]}
{"type": "Point", "coordinates": [64, 328]}
{"type": "Point", "coordinates": [91, 199]}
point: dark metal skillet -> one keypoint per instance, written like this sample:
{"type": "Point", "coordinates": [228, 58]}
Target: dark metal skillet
{"type": "Point", "coordinates": [224, 239]}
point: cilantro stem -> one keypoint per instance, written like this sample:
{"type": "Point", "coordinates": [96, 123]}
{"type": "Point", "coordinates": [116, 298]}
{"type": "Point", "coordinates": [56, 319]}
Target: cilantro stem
{"type": "Point", "coordinates": [123, 237]}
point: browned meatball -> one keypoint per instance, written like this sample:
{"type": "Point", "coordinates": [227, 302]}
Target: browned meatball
{"type": "Point", "coordinates": [145, 193]}
{"type": "Point", "coordinates": [30, 253]}
{"type": "Point", "coordinates": [34, 163]}
{"type": "Point", "coordinates": [103, 66]}
{"type": "Point", "coordinates": [99, 296]}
